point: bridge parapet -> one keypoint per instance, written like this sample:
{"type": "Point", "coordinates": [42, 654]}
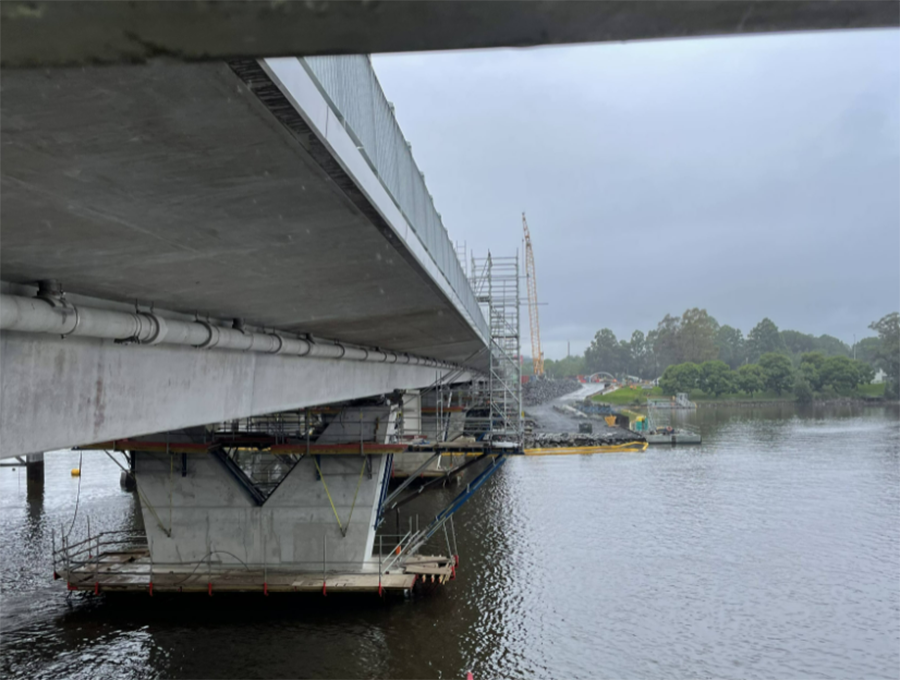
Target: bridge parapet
{"type": "Point", "coordinates": [350, 86]}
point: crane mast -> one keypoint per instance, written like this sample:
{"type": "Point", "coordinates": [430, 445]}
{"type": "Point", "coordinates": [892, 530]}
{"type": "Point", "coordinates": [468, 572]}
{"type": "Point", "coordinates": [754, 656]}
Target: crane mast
{"type": "Point", "coordinates": [531, 278]}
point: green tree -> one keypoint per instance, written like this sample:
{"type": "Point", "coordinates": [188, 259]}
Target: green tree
{"type": "Point", "coordinates": [716, 378]}
{"type": "Point", "coordinates": [764, 338]}
{"type": "Point", "coordinates": [697, 337]}
{"type": "Point", "coordinates": [650, 366]}
{"type": "Point", "coordinates": [802, 390]}
{"type": "Point", "coordinates": [680, 378]}
{"type": "Point", "coordinates": [867, 350]}
{"type": "Point", "coordinates": [811, 364]}
{"type": "Point", "coordinates": [888, 356]}
{"type": "Point", "coordinates": [831, 346]}
{"type": "Point", "coordinates": [665, 342]}
{"type": "Point", "coordinates": [568, 367]}
{"type": "Point", "coordinates": [730, 343]}
{"type": "Point", "coordinates": [839, 372]}
{"type": "Point", "coordinates": [604, 353]}
{"type": "Point", "coordinates": [778, 372]}
{"type": "Point", "coordinates": [865, 372]}
{"type": "Point", "coordinates": [797, 342]}
{"type": "Point", "coordinates": [750, 379]}
{"type": "Point", "coordinates": [635, 350]}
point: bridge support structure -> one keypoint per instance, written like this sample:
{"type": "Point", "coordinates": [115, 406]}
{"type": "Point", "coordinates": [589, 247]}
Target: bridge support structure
{"type": "Point", "coordinates": [289, 502]}
{"type": "Point", "coordinates": [64, 387]}
{"type": "Point", "coordinates": [34, 474]}
{"type": "Point", "coordinates": [234, 507]}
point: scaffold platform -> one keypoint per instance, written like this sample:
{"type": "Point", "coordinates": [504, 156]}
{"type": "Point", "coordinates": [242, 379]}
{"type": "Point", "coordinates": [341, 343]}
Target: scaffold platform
{"type": "Point", "coordinates": [131, 571]}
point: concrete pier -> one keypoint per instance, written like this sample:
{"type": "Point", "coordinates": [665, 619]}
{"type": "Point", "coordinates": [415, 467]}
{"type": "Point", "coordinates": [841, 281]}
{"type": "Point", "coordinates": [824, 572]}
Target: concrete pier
{"type": "Point", "coordinates": [321, 517]}
{"type": "Point", "coordinates": [34, 474]}
{"type": "Point", "coordinates": [256, 508]}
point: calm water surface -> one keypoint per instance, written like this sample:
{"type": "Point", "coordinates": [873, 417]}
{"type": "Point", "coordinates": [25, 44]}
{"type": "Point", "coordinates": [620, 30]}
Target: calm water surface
{"type": "Point", "coordinates": [772, 551]}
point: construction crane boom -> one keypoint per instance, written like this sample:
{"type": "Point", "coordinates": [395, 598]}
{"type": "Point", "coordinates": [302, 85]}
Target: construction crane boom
{"type": "Point", "coordinates": [531, 278]}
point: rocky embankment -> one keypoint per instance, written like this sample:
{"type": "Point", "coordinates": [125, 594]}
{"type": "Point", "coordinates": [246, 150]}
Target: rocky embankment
{"type": "Point", "coordinates": [536, 392]}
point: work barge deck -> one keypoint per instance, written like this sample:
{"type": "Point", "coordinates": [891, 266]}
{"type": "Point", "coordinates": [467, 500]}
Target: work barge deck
{"type": "Point", "coordinates": [110, 563]}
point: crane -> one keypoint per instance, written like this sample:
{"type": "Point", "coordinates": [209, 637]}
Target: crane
{"type": "Point", "coordinates": [531, 278]}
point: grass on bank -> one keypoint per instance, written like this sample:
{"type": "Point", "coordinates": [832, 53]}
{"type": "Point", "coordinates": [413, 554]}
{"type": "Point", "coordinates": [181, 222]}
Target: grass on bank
{"type": "Point", "coordinates": [626, 396]}
{"type": "Point", "coordinates": [873, 390]}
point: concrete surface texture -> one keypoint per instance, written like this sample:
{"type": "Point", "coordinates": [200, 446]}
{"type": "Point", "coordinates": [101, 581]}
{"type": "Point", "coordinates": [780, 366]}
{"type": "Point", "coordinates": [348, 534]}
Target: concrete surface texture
{"type": "Point", "coordinates": [173, 184]}
{"type": "Point", "coordinates": [206, 516]}
{"type": "Point", "coordinates": [56, 393]}
{"type": "Point", "coordinates": [361, 424]}
{"type": "Point", "coordinates": [54, 33]}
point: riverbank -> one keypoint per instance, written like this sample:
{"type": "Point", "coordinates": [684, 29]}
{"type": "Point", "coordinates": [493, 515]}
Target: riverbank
{"type": "Point", "coordinates": [637, 397]}
{"type": "Point", "coordinates": [841, 401]}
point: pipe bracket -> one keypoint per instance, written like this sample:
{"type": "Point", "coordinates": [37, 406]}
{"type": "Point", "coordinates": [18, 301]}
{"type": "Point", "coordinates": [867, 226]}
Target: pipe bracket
{"type": "Point", "coordinates": [213, 338]}
{"type": "Point", "coordinates": [158, 334]}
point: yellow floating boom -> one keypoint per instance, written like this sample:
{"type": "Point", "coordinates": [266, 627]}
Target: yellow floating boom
{"type": "Point", "coordinates": [630, 447]}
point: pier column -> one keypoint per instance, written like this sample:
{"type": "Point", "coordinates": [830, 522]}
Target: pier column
{"type": "Point", "coordinates": [305, 513]}
{"type": "Point", "coordinates": [126, 480]}
{"type": "Point", "coordinates": [34, 474]}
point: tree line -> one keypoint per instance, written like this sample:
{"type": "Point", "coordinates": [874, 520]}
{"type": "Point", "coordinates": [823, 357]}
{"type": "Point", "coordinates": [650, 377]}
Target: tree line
{"type": "Point", "coordinates": [816, 375]}
{"type": "Point", "coordinates": [697, 338]}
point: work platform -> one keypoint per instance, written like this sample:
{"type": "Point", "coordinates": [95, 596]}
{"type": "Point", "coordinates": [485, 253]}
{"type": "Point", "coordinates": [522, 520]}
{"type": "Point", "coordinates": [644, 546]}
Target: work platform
{"type": "Point", "coordinates": [131, 570]}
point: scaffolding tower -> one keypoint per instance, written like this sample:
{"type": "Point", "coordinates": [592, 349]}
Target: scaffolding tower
{"type": "Point", "coordinates": [495, 281]}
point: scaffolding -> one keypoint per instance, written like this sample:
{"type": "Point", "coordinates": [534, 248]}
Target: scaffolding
{"type": "Point", "coordinates": [495, 281]}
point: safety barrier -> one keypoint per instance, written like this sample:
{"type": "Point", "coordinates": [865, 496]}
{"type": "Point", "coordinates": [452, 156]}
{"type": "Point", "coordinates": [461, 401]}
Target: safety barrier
{"type": "Point", "coordinates": [350, 83]}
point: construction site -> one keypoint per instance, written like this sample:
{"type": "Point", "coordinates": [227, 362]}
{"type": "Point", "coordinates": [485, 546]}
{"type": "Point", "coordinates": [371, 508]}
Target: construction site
{"type": "Point", "coordinates": [316, 499]}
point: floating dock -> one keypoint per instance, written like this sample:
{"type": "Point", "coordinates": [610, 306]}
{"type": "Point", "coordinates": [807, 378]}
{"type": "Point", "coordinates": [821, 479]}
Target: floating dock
{"type": "Point", "coordinates": [677, 437]}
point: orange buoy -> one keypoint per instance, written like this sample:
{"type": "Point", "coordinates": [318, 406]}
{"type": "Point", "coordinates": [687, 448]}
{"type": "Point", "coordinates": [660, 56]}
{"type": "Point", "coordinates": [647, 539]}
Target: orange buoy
{"type": "Point", "coordinates": [76, 472]}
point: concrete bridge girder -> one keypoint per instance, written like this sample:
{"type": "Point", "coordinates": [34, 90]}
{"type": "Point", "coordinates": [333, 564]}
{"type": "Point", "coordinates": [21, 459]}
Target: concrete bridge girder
{"type": "Point", "coordinates": [57, 393]}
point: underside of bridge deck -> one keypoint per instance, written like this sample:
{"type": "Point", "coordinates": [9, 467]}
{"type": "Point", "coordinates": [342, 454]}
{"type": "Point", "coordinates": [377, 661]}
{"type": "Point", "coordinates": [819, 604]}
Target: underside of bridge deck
{"type": "Point", "coordinates": [54, 33]}
{"type": "Point", "coordinates": [174, 185]}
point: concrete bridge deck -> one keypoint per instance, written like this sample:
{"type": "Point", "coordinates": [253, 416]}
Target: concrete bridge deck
{"type": "Point", "coordinates": [65, 33]}
{"type": "Point", "coordinates": [184, 186]}
{"type": "Point", "coordinates": [233, 196]}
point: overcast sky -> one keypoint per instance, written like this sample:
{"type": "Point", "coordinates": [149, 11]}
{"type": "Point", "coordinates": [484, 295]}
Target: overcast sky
{"type": "Point", "coordinates": [753, 176]}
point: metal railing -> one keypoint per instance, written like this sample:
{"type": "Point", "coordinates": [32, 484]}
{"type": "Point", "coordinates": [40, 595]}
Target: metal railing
{"type": "Point", "coordinates": [352, 88]}
{"type": "Point", "coordinates": [98, 555]}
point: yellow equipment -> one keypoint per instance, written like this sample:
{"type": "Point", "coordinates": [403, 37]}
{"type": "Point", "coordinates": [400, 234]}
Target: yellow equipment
{"type": "Point", "coordinates": [629, 447]}
{"type": "Point", "coordinates": [531, 278]}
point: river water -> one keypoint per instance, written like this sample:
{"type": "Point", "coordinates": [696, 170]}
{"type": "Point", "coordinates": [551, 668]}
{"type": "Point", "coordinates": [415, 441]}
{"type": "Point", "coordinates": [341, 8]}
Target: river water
{"type": "Point", "coordinates": [771, 551]}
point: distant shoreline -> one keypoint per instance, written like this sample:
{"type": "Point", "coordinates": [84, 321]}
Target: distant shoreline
{"type": "Point", "coordinates": [839, 401]}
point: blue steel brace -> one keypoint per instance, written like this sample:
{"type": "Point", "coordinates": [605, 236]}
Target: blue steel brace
{"type": "Point", "coordinates": [385, 483]}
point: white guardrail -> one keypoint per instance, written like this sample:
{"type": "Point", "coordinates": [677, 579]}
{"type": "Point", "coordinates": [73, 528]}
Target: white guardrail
{"type": "Point", "coordinates": [352, 88]}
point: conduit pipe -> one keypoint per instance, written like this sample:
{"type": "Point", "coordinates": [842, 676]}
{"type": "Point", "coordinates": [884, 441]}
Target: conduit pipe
{"type": "Point", "coordinates": [53, 314]}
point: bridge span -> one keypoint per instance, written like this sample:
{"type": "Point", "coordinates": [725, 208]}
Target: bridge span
{"type": "Point", "coordinates": [203, 239]}
{"type": "Point", "coordinates": [194, 255]}
{"type": "Point", "coordinates": [186, 209]}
